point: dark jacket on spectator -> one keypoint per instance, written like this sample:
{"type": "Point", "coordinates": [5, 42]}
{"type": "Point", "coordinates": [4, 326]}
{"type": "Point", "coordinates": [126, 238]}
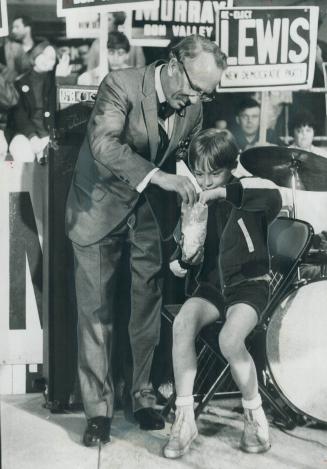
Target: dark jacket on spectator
{"type": "Point", "coordinates": [243, 144]}
{"type": "Point", "coordinates": [13, 56]}
{"type": "Point", "coordinates": [34, 113]}
{"type": "Point", "coordinates": [8, 97]}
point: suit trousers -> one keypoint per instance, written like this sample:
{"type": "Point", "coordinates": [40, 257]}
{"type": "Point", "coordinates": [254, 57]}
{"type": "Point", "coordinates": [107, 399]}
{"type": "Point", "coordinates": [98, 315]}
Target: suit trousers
{"type": "Point", "coordinates": [96, 283]}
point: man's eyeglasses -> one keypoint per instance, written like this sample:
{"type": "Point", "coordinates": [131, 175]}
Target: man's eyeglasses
{"type": "Point", "coordinates": [204, 97]}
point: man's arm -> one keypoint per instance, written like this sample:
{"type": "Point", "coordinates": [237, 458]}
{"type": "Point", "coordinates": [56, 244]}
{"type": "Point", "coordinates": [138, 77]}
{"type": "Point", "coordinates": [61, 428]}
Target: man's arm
{"type": "Point", "coordinates": [105, 131]}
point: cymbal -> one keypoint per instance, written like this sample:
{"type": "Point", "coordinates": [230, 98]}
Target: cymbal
{"type": "Point", "coordinates": [278, 163]}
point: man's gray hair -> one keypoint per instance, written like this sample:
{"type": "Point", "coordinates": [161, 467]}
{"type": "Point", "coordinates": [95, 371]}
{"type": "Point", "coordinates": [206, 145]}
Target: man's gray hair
{"type": "Point", "coordinates": [191, 46]}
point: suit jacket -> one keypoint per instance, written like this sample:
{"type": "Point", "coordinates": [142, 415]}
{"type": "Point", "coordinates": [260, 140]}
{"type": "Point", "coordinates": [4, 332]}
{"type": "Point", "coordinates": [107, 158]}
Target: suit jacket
{"type": "Point", "coordinates": [118, 151]}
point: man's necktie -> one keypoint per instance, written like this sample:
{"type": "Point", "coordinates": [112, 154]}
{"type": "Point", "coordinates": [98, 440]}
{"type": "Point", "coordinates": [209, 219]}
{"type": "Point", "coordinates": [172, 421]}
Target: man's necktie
{"type": "Point", "coordinates": [165, 110]}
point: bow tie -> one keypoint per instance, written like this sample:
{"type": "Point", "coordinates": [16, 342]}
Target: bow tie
{"type": "Point", "coordinates": [165, 110]}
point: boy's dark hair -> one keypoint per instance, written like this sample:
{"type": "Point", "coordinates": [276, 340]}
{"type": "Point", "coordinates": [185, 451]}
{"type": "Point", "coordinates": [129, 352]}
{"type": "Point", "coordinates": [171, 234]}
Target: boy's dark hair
{"type": "Point", "coordinates": [214, 149]}
{"type": "Point", "coordinates": [118, 40]}
{"type": "Point", "coordinates": [247, 103]}
{"type": "Point", "coordinates": [301, 119]}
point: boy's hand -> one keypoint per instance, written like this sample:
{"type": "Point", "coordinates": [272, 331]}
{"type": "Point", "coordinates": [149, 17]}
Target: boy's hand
{"type": "Point", "coordinates": [176, 269]}
{"type": "Point", "coordinates": [212, 194]}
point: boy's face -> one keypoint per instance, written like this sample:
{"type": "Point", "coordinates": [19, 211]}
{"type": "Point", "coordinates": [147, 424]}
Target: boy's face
{"type": "Point", "coordinates": [303, 136]}
{"type": "Point", "coordinates": [211, 179]}
{"type": "Point", "coordinates": [117, 58]}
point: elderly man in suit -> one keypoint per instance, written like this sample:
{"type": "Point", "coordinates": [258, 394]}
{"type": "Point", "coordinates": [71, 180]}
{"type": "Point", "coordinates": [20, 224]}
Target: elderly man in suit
{"type": "Point", "coordinates": [121, 193]}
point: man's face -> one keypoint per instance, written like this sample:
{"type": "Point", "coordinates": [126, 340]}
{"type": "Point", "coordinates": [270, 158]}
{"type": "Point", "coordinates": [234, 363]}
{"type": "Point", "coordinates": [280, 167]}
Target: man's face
{"type": "Point", "coordinates": [117, 58]}
{"type": "Point", "coordinates": [303, 136]}
{"type": "Point", "coordinates": [18, 30]}
{"type": "Point", "coordinates": [188, 82]}
{"type": "Point", "coordinates": [249, 120]}
{"type": "Point", "coordinates": [45, 61]}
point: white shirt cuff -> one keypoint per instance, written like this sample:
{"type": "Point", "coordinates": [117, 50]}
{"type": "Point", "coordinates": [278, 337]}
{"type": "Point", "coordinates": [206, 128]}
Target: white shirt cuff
{"type": "Point", "coordinates": [140, 188]}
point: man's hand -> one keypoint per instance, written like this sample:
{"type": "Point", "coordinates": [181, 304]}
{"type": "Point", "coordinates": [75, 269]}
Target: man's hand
{"type": "Point", "coordinates": [212, 194]}
{"type": "Point", "coordinates": [176, 269]}
{"type": "Point", "coordinates": [180, 184]}
{"type": "Point", "coordinates": [197, 258]}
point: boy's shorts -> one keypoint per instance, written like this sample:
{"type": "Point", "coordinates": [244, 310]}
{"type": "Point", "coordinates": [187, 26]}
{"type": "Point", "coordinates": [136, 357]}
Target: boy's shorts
{"type": "Point", "coordinates": [252, 292]}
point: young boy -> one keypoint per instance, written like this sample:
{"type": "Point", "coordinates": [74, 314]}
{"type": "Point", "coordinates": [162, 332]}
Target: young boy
{"type": "Point", "coordinates": [233, 284]}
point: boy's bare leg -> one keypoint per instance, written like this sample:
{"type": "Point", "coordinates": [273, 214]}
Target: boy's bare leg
{"type": "Point", "coordinates": [240, 321]}
{"type": "Point", "coordinates": [193, 316]}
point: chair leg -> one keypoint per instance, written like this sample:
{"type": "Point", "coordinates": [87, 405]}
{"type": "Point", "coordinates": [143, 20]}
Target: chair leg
{"type": "Point", "coordinates": [170, 404]}
{"type": "Point", "coordinates": [214, 388]}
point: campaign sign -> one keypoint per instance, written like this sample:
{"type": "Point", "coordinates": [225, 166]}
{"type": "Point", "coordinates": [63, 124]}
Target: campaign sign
{"type": "Point", "coordinates": [3, 18]}
{"type": "Point", "coordinates": [173, 19]}
{"type": "Point", "coordinates": [268, 47]}
{"type": "Point", "coordinates": [83, 25]}
{"type": "Point", "coordinates": [65, 7]}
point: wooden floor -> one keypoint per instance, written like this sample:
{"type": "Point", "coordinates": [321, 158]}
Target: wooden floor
{"type": "Point", "coordinates": [33, 438]}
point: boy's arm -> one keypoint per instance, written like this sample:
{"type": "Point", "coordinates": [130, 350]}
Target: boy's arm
{"type": "Point", "coordinates": [252, 194]}
{"type": "Point", "coordinates": [255, 194]}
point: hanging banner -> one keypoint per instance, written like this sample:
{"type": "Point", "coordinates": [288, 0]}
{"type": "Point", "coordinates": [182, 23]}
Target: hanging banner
{"type": "Point", "coordinates": [3, 18]}
{"type": "Point", "coordinates": [65, 7]}
{"type": "Point", "coordinates": [23, 189]}
{"type": "Point", "coordinates": [173, 19]}
{"type": "Point", "coordinates": [268, 47]}
{"type": "Point", "coordinates": [324, 69]}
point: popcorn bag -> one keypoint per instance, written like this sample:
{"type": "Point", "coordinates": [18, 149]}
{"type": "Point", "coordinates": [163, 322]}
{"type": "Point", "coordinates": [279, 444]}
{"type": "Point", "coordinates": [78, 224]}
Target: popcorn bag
{"type": "Point", "coordinates": [194, 229]}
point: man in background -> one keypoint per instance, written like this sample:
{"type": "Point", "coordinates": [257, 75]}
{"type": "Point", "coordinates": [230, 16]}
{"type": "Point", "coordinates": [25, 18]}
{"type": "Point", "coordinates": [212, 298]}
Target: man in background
{"type": "Point", "coordinates": [248, 125]}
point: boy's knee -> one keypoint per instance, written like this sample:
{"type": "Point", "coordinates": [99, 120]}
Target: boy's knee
{"type": "Point", "coordinates": [230, 345]}
{"type": "Point", "coordinates": [185, 325]}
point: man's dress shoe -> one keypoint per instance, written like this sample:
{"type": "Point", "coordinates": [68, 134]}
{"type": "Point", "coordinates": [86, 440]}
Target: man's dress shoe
{"type": "Point", "coordinates": [149, 419]}
{"type": "Point", "coordinates": [98, 429]}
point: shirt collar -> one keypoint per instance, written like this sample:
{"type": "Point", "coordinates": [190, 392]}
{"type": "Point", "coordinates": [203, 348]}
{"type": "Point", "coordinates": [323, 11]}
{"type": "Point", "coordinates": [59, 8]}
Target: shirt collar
{"type": "Point", "coordinates": [158, 85]}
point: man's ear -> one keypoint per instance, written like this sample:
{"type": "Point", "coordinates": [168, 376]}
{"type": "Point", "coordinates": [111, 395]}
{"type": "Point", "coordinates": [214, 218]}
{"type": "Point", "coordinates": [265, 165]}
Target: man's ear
{"type": "Point", "coordinates": [172, 66]}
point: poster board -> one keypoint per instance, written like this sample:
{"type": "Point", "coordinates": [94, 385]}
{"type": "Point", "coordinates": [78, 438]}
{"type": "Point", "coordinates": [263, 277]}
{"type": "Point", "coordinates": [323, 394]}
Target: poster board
{"type": "Point", "coordinates": [268, 47]}
{"type": "Point", "coordinates": [23, 205]}
{"type": "Point", "coordinates": [65, 7]}
{"type": "Point", "coordinates": [4, 30]}
{"type": "Point", "coordinates": [171, 20]}
{"type": "Point", "coordinates": [83, 24]}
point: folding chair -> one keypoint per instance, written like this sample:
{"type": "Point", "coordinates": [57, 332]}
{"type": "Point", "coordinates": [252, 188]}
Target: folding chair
{"type": "Point", "coordinates": [288, 241]}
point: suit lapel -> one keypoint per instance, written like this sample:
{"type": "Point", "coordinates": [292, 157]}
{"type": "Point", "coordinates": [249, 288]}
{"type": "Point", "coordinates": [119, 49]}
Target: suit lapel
{"type": "Point", "coordinates": [150, 113]}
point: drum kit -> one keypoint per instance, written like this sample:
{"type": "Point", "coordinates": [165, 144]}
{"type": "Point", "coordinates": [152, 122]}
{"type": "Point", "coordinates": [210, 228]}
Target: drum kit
{"type": "Point", "coordinates": [296, 330]}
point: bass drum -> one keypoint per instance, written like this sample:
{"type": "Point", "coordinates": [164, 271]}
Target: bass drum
{"type": "Point", "coordinates": [296, 349]}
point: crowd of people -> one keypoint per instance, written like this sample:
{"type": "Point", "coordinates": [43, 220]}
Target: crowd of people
{"type": "Point", "coordinates": [31, 67]}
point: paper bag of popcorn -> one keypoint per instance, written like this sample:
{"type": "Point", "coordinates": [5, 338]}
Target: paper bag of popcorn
{"type": "Point", "coordinates": [194, 229]}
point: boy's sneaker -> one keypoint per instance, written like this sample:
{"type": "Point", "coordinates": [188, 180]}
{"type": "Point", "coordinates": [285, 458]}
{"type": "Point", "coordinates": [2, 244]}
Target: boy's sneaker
{"type": "Point", "coordinates": [255, 438]}
{"type": "Point", "coordinates": [183, 432]}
